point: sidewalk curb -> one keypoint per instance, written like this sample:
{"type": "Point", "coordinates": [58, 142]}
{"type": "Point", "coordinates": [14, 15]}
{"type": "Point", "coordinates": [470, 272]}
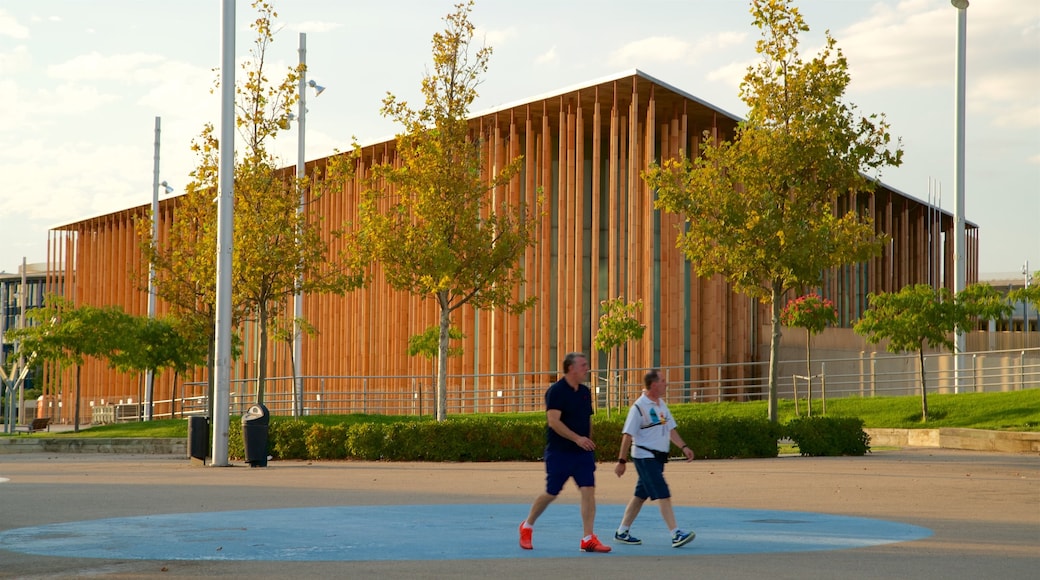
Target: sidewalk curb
{"type": "Point", "coordinates": [951, 438]}
{"type": "Point", "coordinates": [947, 438]}
{"type": "Point", "coordinates": [151, 446]}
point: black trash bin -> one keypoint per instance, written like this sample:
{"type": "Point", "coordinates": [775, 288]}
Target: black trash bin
{"type": "Point", "coordinates": [198, 438]}
{"type": "Point", "coordinates": [255, 423]}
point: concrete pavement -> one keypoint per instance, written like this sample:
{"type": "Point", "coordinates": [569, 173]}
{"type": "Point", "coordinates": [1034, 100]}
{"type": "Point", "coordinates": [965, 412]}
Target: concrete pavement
{"type": "Point", "coordinates": [929, 513]}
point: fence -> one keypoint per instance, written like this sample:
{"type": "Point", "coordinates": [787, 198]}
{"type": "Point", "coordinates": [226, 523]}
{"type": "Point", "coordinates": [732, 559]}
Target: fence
{"type": "Point", "coordinates": [868, 375]}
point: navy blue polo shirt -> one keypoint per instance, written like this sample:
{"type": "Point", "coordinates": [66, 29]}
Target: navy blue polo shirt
{"type": "Point", "coordinates": [575, 408]}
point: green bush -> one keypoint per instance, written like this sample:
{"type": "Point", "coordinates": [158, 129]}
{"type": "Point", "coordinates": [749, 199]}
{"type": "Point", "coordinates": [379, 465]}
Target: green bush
{"type": "Point", "coordinates": [522, 438]}
{"type": "Point", "coordinates": [828, 436]}
{"type": "Point", "coordinates": [326, 441]}
{"type": "Point", "coordinates": [287, 438]}
{"type": "Point", "coordinates": [365, 441]}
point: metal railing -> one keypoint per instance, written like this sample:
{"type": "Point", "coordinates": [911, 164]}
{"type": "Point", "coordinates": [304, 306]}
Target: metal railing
{"type": "Point", "coordinates": [868, 375]}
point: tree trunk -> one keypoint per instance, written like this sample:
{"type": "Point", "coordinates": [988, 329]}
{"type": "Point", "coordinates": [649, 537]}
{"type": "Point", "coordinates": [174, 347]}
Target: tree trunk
{"type": "Point", "coordinates": [442, 361]}
{"type": "Point", "coordinates": [808, 374]}
{"type": "Point", "coordinates": [75, 417]}
{"type": "Point", "coordinates": [297, 394]}
{"type": "Point", "coordinates": [774, 353]}
{"type": "Point", "coordinates": [261, 353]}
{"type": "Point", "coordinates": [924, 388]}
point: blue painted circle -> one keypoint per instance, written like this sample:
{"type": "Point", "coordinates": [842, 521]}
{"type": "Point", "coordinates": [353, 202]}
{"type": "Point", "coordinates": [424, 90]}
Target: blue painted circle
{"type": "Point", "coordinates": [412, 532]}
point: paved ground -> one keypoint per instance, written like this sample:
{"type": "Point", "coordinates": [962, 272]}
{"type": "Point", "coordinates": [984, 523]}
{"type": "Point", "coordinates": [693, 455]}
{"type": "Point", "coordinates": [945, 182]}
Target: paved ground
{"type": "Point", "coordinates": [930, 514]}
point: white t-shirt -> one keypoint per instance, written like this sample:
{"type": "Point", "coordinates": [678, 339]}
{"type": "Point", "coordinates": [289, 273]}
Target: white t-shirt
{"type": "Point", "coordinates": [650, 424]}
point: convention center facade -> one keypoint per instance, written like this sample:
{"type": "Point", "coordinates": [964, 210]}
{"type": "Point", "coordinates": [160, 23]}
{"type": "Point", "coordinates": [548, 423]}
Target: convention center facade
{"type": "Point", "coordinates": [583, 149]}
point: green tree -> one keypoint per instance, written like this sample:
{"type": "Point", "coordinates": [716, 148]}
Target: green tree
{"type": "Point", "coordinates": [920, 316]}
{"type": "Point", "coordinates": [429, 219]}
{"type": "Point", "coordinates": [277, 250]}
{"type": "Point", "coordinates": [66, 335]}
{"type": "Point", "coordinates": [155, 344]}
{"type": "Point", "coordinates": [618, 324]}
{"type": "Point", "coordinates": [760, 209]}
{"type": "Point", "coordinates": [1027, 294]}
{"type": "Point", "coordinates": [813, 313]}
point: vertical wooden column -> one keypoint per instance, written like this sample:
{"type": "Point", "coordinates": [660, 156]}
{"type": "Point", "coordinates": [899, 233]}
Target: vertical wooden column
{"type": "Point", "coordinates": [594, 231]}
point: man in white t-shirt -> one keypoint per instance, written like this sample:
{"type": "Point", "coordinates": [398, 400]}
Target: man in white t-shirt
{"type": "Point", "coordinates": [648, 432]}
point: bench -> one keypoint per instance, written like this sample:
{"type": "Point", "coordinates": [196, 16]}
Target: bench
{"type": "Point", "coordinates": [43, 424]}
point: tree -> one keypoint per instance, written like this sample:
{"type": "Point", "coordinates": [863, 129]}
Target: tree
{"type": "Point", "coordinates": [66, 336]}
{"type": "Point", "coordinates": [618, 324]}
{"type": "Point", "coordinates": [1027, 295]}
{"type": "Point", "coordinates": [920, 316]}
{"type": "Point", "coordinates": [154, 344]}
{"type": "Point", "coordinates": [760, 209]}
{"type": "Point", "coordinates": [812, 313]}
{"type": "Point", "coordinates": [429, 219]}
{"type": "Point", "coordinates": [277, 250]}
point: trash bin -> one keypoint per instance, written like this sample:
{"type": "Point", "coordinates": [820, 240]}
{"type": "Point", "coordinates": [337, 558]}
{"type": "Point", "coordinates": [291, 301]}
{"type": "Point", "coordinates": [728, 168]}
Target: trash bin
{"type": "Point", "coordinates": [198, 438]}
{"type": "Point", "coordinates": [255, 423]}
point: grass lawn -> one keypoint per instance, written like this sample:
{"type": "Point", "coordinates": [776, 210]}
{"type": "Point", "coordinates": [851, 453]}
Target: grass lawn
{"type": "Point", "coordinates": [1010, 411]}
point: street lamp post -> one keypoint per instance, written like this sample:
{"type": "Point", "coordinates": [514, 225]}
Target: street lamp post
{"type": "Point", "coordinates": [959, 245]}
{"type": "Point", "coordinates": [149, 378]}
{"type": "Point", "coordinates": [301, 174]}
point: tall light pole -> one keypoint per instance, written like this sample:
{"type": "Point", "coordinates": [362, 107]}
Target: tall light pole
{"type": "Point", "coordinates": [301, 175]}
{"type": "Point", "coordinates": [149, 377]}
{"type": "Point", "coordinates": [225, 228]}
{"type": "Point", "coordinates": [960, 277]}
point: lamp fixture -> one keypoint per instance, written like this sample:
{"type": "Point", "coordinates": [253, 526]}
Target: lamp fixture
{"type": "Point", "coordinates": [959, 4]}
{"type": "Point", "coordinates": [167, 187]}
{"type": "Point", "coordinates": [318, 88]}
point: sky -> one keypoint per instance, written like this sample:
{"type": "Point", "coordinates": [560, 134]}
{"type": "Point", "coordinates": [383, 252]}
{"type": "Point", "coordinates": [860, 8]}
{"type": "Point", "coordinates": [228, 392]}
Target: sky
{"type": "Point", "coordinates": [81, 83]}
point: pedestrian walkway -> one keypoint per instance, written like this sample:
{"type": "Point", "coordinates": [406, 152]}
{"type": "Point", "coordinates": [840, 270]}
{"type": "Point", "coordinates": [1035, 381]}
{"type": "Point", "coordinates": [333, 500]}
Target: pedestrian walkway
{"type": "Point", "coordinates": [926, 515]}
{"type": "Point", "coordinates": [341, 533]}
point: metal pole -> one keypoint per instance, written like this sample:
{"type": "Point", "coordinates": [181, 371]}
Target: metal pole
{"type": "Point", "coordinates": [959, 246]}
{"type": "Point", "coordinates": [225, 229]}
{"type": "Point", "coordinates": [149, 376]}
{"type": "Point", "coordinates": [301, 174]}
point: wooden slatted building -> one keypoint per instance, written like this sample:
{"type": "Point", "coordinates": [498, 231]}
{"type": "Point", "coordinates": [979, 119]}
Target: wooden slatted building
{"type": "Point", "coordinates": [600, 237]}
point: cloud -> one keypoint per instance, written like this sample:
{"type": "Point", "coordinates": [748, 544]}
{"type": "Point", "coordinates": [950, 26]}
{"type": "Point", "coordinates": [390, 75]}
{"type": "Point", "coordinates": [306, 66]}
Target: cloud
{"type": "Point", "coordinates": [650, 50]}
{"type": "Point", "coordinates": [17, 60]}
{"type": "Point", "coordinates": [548, 56]}
{"type": "Point", "coordinates": [920, 37]}
{"type": "Point", "coordinates": [495, 38]}
{"type": "Point", "coordinates": [94, 66]}
{"type": "Point", "coordinates": [315, 26]}
{"type": "Point", "coordinates": [9, 26]}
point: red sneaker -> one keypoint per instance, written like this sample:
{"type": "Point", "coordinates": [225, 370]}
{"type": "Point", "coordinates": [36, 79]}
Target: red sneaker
{"type": "Point", "coordinates": [593, 545]}
{"type": "Point", "coordinates": [525, 537]}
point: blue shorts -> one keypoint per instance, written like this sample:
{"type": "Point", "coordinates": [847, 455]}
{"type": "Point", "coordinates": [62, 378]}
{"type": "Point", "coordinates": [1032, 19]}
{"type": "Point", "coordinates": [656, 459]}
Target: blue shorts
{"type": "Point", "coordinates": [563, 465]}
{"type": "Point", "coordinates": [651, 482]}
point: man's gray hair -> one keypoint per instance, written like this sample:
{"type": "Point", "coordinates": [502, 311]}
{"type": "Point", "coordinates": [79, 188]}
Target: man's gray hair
{"type": "Point", "coordinates": [570, 358]}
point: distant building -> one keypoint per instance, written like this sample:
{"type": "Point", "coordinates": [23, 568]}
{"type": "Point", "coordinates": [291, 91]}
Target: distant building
{"type": "Point", "coordinates": [1024, 317]}
{"type": "Point", "coordinates": [20, 292]}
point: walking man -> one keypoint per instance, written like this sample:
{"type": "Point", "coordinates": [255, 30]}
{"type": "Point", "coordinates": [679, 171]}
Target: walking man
{"type": "Point", "coordinates": [648, 432]}
{"type": "Point", "coordinates": [569, 450]}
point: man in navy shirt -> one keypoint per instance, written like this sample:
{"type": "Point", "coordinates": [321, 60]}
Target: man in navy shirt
{"type": "Point", "coordinates": [569, 450]}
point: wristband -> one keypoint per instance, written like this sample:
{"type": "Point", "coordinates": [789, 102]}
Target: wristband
{"type": "Point", "coordinates": [622, 460]}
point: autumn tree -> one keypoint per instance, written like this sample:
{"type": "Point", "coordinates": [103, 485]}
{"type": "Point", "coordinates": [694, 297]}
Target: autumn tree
{"type": "Point", "coordinates": [920, 316]}
{"type": "Point", "coordinates": [277, 250]}
{"type": "Point", "coordinates": [813, 313]}
{"type": "Point", "coordinates": [760, 209]}
{"type": "Point", "coordinates": [618, 324]}
{"type": "Point", "coordinates": [428, 219]}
